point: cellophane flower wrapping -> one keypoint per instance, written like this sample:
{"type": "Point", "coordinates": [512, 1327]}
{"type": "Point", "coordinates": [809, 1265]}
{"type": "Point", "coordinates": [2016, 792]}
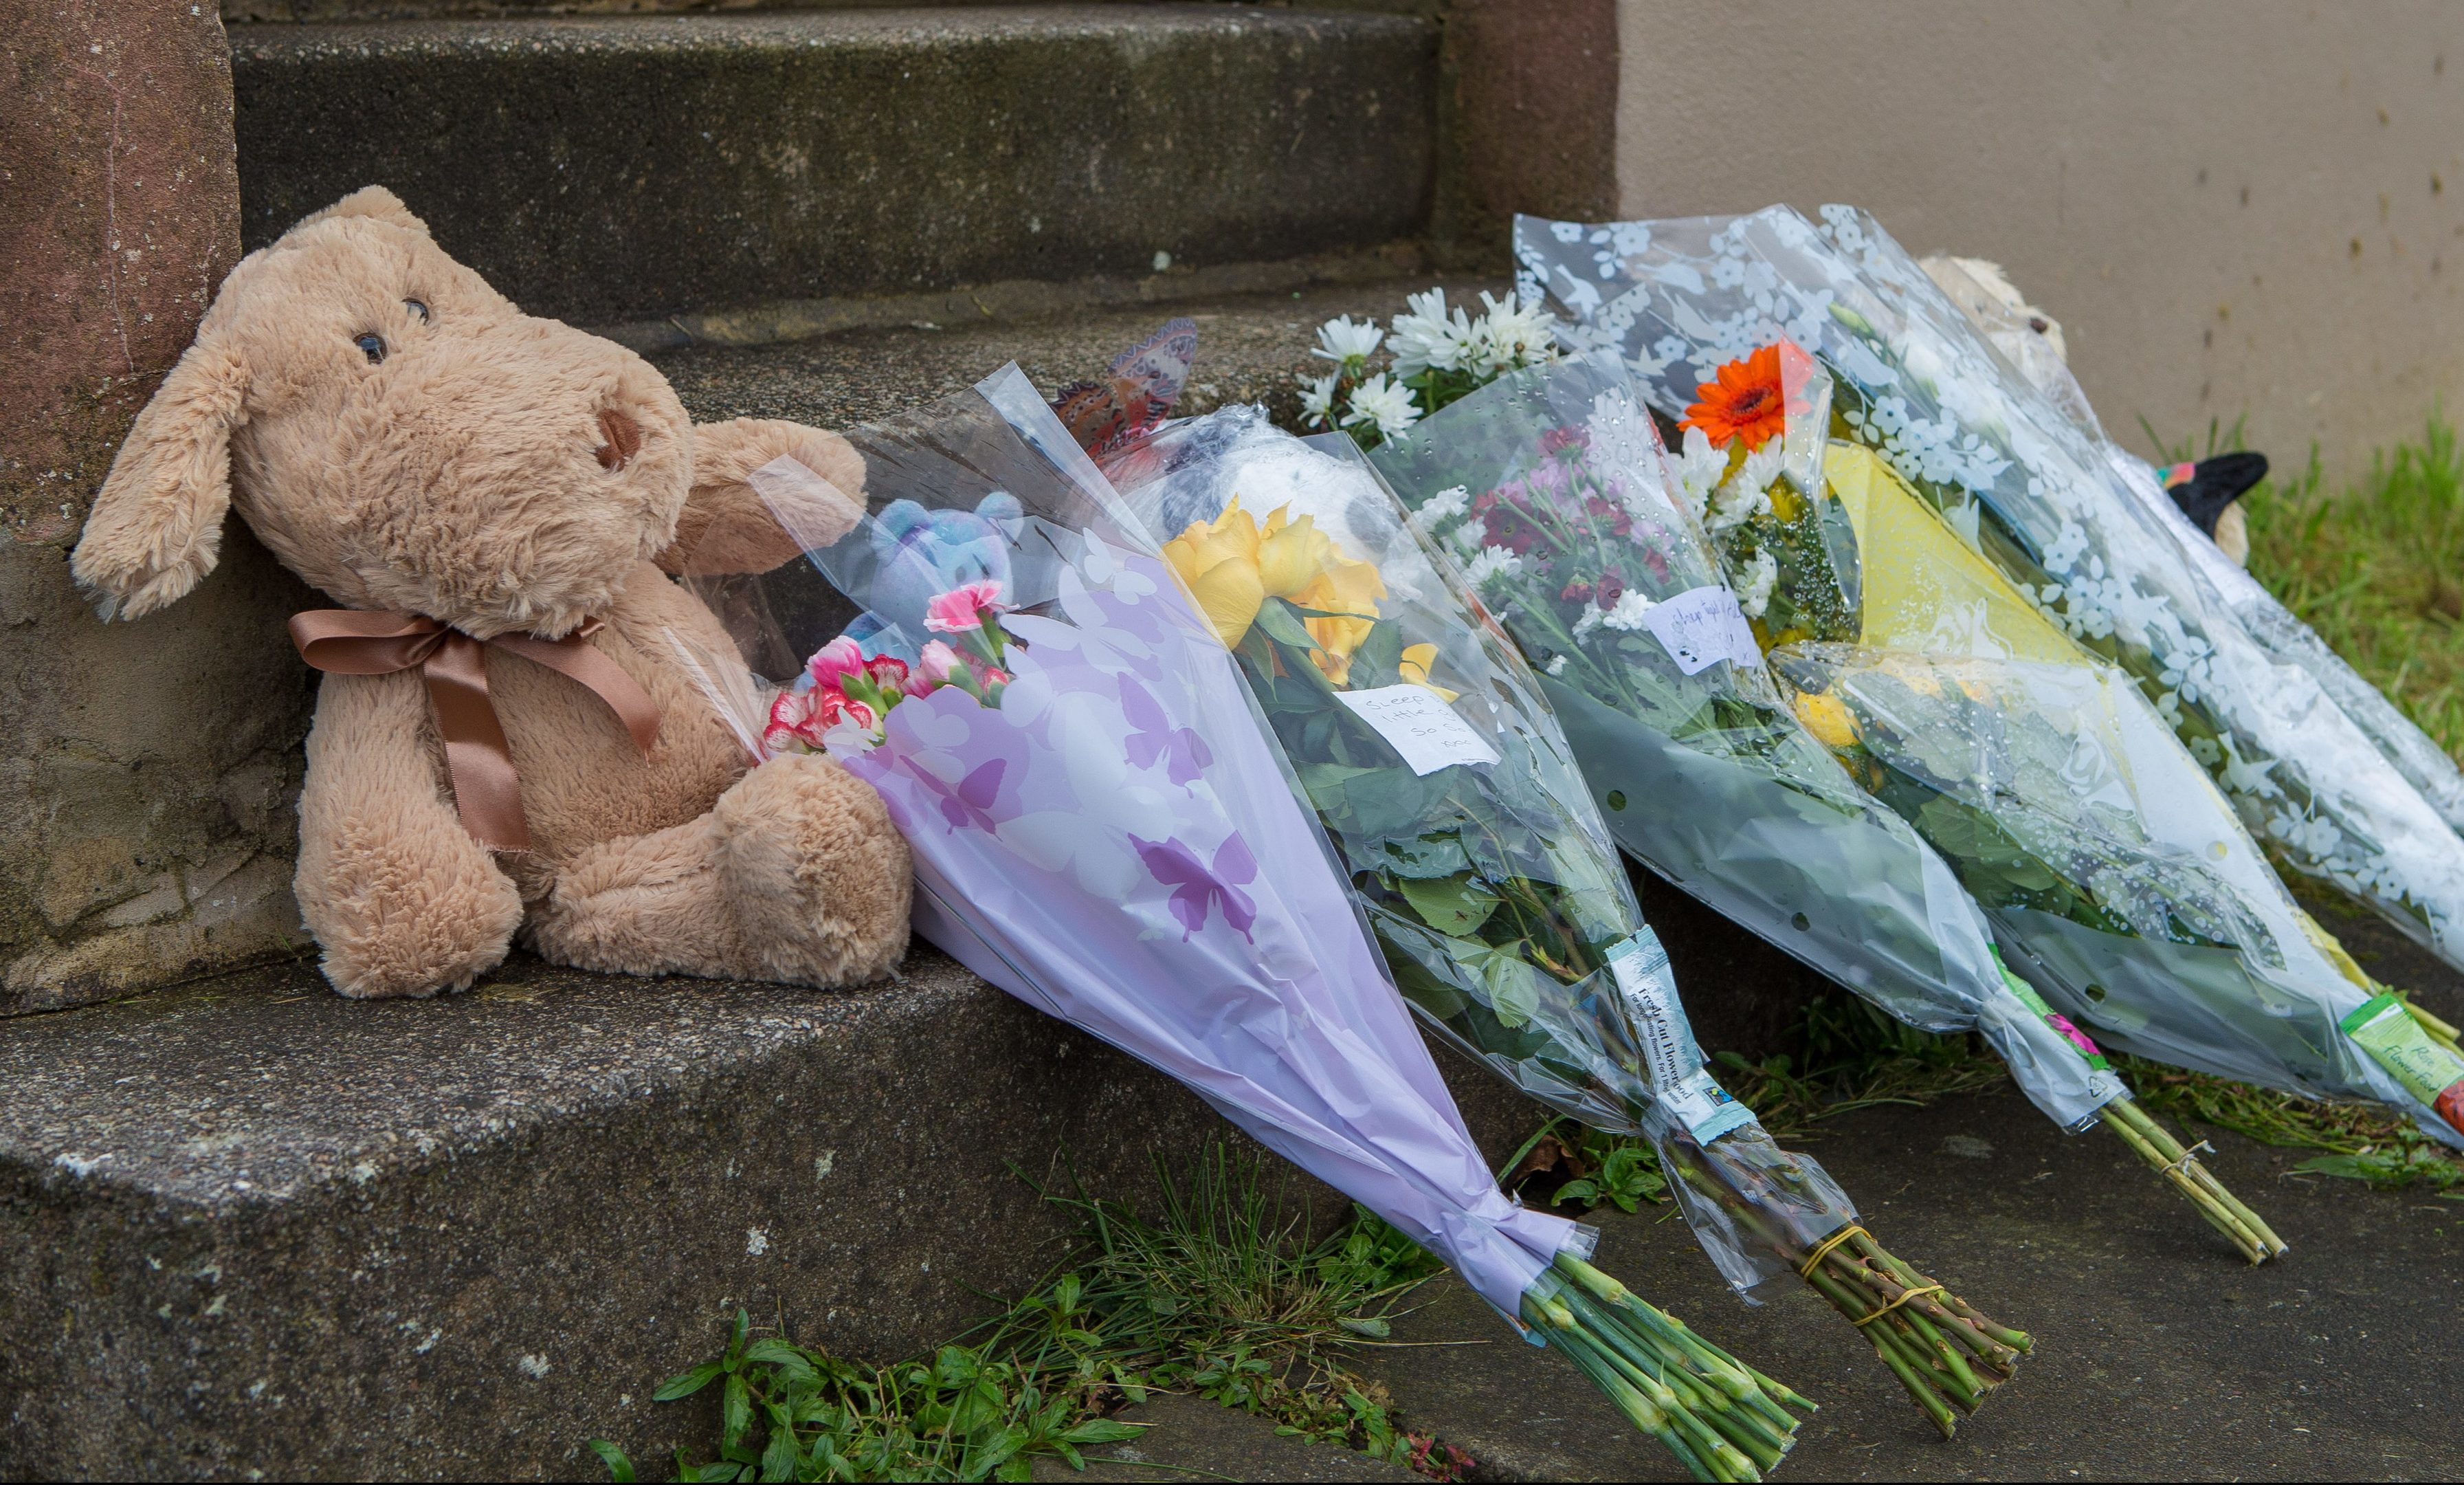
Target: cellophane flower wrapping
{"type": "Point", "coordinates": [2410, 750]}
{"type": "Point", "coordinates": [1554, 482]}
{"type": "Point", "coordinates": [1102, 826]}
{"type": "Point", "coordinates": [1456, 811]}
{"type": "Point", "coordinates": [2128, 891]}
{"type": "Point", "coordinates": [2028, 489]}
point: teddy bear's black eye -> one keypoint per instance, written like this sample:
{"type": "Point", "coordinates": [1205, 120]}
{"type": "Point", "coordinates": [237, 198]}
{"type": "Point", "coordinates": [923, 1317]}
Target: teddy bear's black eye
{"type": "Point", "coordinates": [419, 309]}
{"type": "Point", "coordinates": [373, 347]}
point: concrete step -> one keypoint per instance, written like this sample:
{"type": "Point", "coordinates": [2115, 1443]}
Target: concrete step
{"type": "Point", "coordinates": [250, 1225]}
{"type": "Point", "coordinates": [620, 168]}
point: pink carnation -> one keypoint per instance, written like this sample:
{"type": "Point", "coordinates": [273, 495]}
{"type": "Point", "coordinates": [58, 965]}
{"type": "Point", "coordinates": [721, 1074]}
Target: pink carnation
{"type": "Point", "coordinates": [963, 607]}
{"type": "Point", "coordinates": [934, 667]}
{"type": "Point", "coordinates": [840, 656]}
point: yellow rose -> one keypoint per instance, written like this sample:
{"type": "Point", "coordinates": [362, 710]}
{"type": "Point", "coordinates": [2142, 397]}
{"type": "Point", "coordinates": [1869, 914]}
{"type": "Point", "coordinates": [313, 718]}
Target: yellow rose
{"type": "Point", "coordinates": [1233, 566]}
{"type": "Point", "coordinates": [1290, 557]}
{"type": "Point", "coordinates": [1219, 560]}
{"type": "Point", "coordinates": [1414, 665]}
{"type": "Point", "coordinates": [1827, 720]}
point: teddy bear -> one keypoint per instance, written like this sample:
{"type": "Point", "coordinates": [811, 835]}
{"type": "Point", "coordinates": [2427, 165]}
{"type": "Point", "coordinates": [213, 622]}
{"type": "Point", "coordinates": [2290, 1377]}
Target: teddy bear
{"type": "Point", "coordinates": [919, 553]}
{"type": "Point", "coordinates": [511, 741]}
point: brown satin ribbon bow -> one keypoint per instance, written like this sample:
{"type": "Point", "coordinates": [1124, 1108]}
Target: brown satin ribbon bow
{"type": "Point", "coordinates": [485, 790]}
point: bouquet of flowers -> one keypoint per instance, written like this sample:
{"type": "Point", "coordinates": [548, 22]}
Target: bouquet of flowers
{"type": "Point", "coordinates": [1435, 357]}
{"type": "Point", "coordinates": [1102, 826]}
{"type": "Point", "coordinates": [1597, 567]}
{"type": "Point", "coordinates": [2023, 487]}
{"type": "Point", "coordinates": [1472, 847]}
{"type": "Point", "coordinates": [2272, 625]}
{"type": "Point", "coordinates": [2124, 883]}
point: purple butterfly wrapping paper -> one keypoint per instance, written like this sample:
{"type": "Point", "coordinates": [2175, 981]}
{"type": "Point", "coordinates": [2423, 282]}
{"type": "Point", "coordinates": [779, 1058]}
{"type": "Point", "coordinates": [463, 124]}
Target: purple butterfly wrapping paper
{"type": "Point", "coordinates": [1119, 842]}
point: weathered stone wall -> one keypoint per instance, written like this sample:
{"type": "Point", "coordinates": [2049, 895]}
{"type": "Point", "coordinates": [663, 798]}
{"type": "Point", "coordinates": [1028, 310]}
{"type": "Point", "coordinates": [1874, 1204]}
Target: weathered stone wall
{"type": "Point", "coordinates": [144, 792]}
{"type": "Point", "coordinates": [2236, 208]}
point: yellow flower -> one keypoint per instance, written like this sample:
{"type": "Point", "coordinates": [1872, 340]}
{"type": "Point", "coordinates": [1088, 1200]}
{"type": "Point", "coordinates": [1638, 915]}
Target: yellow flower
{"type": "Point", "coordinates": [1414, 667]}
{"type": "Point", "coordinates": [1233, 566]}
{"type": "Point", "coordinates": [1827, 720]}
{"type": "Point", "coordinates": [1219, 560]}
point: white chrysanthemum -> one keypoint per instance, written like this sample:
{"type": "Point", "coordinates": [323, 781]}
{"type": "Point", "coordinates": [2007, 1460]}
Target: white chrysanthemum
{"type": "Point", "coordinates": [1425, 336]}
{"type": "Point", "coordinates": [1472, 534]}
{"type": "Point", "coordinates": [1493, 562]}
{"type": "Point", "coordinates": [1348, 341]}
{"type": "Point", "coordinates": [1754, 595]}
{"type": "Point", "coordinates": [1317, 400]}
{"type": "Point", "coordinates": [1386, 404]}
{"type": "Point", "coordinates": [1698, 469]}
{"type": "Point", "coordinates": [1733, 504]}
{"type": "Point", "coordinates": [1588, 620]}
{"type": "Point", "coordinates": [1557, 666]}
{"type": "Point", "coordinates": [1510, 337]}
{"type": "Point", "coordinates": [1441, 507]}
{"type": "Point", "coordinates": [1762, 466]}
{"type": "Point", "coordinates": [1628, 613]}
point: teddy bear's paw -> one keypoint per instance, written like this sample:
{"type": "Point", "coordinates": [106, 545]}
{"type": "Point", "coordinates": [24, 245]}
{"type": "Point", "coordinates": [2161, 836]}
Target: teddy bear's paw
{"type": "Point", "coordinates": [395, 922]}
{"type": "Point", "coordinates": [818, 877]}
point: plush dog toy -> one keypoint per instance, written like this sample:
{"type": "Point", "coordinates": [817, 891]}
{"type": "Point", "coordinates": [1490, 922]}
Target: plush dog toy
{"type": "Point", "coordinates": [510, 741]}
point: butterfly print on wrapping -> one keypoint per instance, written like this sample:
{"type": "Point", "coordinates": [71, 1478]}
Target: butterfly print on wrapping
{"type": "Point", "coordinates": [1183, 750]}
{"type": "Point", "coordinates": [1197, 888]}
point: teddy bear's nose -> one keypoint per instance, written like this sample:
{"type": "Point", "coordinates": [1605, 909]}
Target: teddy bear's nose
{"type": "Point", "coordinates": [622, 439]}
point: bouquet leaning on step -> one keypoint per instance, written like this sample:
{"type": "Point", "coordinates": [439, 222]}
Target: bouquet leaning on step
{"type": "Point", "coordinates": [2030, 492]}
{"type": "Point", "coordinates": [1471, 844]}
{"type": "Point", "coordinates": [1102, 826]}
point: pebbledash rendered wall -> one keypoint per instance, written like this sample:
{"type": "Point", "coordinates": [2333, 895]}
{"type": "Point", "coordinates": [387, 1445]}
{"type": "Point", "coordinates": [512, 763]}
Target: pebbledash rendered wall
{"type": "Point", "coordinates": [2236, 208]}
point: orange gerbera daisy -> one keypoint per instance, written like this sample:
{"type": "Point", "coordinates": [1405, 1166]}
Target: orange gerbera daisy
{"type": "Point", "coordinates": [1746, 402]}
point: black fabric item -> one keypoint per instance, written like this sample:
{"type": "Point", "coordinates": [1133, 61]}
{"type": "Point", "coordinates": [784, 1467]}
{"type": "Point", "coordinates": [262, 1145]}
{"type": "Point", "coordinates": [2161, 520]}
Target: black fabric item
{"type": "Point", "coordinates": [2215, 483]}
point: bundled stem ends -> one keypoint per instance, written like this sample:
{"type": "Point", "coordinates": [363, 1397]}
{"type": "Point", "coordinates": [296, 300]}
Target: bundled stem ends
{"type": "Point", "coordinates": [1944, 1352]}
{"type": "Point", "coordinates": [2181, 1166]}
{"type": "Point", "coordinates": [1721, 1418]}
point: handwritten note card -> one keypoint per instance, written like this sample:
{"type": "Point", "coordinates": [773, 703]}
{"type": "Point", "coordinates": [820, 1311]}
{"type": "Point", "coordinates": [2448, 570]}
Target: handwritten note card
{"type": "Point", "coordinates": [1424, 729]}
{"type": "Point", "coordinates": [1701, 627]}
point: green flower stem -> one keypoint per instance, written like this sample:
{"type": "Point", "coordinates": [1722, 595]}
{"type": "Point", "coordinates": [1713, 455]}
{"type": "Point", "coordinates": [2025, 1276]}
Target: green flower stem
{"type": "Point", "coordinates": [2226, 1211]}
{"type": "Point", "coordinates": [1722, 1419]}
{"type": "Point", "coordinates": [2222, 1218]}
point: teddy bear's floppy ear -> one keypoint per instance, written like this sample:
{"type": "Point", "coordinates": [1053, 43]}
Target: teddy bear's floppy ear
{"type": "Point", "coordinates": [369, 201]}
{"type": "Point", "coordinates": [157, 526]}
{"type": "Point", "coordinates": [763, 491]}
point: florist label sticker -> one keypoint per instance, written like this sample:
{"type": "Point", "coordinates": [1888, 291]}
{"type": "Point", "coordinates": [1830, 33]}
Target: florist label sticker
{"type": "Point", "coordinates": [1420, 726]}
{"type": "Point", "coordinates": [1701, 627]}
{"type": "Point", "coordinates": [1669, 1056]}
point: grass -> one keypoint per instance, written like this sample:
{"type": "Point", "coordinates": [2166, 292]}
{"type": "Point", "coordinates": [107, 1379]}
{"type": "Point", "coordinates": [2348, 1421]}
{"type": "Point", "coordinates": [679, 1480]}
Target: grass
{"type": "Point", "coordinates": [2377, 568]}
{"type": "Point", "coordinates": [1853, 1057]}
{"type": "Point", "coordinates": [1224, 1295]}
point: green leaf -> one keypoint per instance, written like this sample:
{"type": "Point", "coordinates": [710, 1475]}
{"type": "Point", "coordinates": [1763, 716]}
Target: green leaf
{"type": "Point", "coordinates": [789, 1359]}
{"type": "Point", "coordinates": [1512, 996]}
{"type": "Point", "coordinates": [1455, 906]}
{"type": "Point", "coordinates": [735, 1412]}
{"type": "Point", "coordinates": [1284, 627]}
{"type": "Point", "coordinates": [779, 1461]}
{"type": "Point", "coordinates": [1366, 1325]}
{"type": "Point", "coordinates": [1101, 1430]}
{"type": "Point", "coordinates": [619, 1467]}
{"type": "Point", "coordinates": [687, 1384]}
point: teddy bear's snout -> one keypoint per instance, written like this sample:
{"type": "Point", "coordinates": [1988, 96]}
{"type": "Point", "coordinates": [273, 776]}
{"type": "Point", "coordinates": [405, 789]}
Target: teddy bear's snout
{"type": "Point", "coordinates": [621, 438]}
